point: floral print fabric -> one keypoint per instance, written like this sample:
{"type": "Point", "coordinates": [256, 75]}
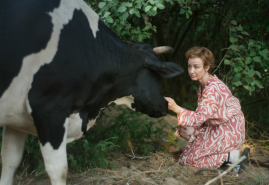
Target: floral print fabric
{"type": "Point", "coordinates": [221, 124]}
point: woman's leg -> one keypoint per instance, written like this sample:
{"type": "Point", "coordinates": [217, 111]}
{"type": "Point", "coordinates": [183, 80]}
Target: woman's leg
{"type": "Point", "coordinates": [186, 132]}
{"type": "Point", "coordinates": [234, 156]}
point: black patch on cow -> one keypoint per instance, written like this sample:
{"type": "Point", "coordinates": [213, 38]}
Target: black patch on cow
{"type": "Point", "coordinates": [25, 28]}
{"type": "Point", "coordinates": [69, 84]}
{"type": "Point", "coordinates": [133, 105]}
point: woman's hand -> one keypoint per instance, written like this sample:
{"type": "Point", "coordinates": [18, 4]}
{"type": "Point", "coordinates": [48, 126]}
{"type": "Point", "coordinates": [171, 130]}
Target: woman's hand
{"type": "Point", "coordinates": [172, 105]}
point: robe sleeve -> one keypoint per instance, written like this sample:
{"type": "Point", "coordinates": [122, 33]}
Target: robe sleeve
{"type": "Point", "coordinates": [206, 108]}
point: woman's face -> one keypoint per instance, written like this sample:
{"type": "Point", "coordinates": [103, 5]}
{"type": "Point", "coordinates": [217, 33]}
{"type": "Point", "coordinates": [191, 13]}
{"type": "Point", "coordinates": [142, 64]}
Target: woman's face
{"type": "Point", "coordinates": [196, 69]}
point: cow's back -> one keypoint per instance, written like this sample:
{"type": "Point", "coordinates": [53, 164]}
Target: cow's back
{"type": "Point", "coordinates": [29, 41]}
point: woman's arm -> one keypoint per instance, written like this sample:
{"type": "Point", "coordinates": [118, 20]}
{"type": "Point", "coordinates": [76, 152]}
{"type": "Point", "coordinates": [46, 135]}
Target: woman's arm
{"type": "Point", "coordinates": [207, 107]}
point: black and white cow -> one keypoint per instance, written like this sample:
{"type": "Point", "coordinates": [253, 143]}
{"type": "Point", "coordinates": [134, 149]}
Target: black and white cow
{"type": "Point", "coordinates": [59, 67]}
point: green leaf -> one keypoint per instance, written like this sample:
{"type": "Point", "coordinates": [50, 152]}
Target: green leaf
{"type": "Point", "coordinates": [245, 33]}
{"type": "Point", "coordinates": [189, 12]}
{"type": "Point", "coordinates": [259, 84]}
{"type": "Point", "coordinates": [264, 53]}
{"type": "Point", "coordinates": [234, 22]}
{"type": "Point", "coordinates": [121, 9]}
{"type": "Point", "coordinates": [153, 12]}
{"type": "Point", "coordinates": [233, 39]}
{"type": "Point", "coordinates": [238, 69]}
{"type": "Point", "coordinates": [101, 4]}
{"type": "Point", "coordinates": [258, 73]}
{"type": "Point", "coordinates": [242, 46]}
{"type": "Point", "coordinates": [182, 11]}
{"type": "Point", "coordinates": [152, 2]}
{"type": "Point", "coordinates": [123, 33]}
{"type": "Point", "coordinates": [238, 58]}
{"type": "Point", "coordinates": [127, 4]}
{"type": "Point", "coordinates": [252, 41]}
{"type": "Point", "coordinates": [237, 83]}
{"type": "Point", "coordinates": [106, 14]}
{"type": "Point", "coordinates": [233, 47]}
{"type": "Point", "coordinates": [252, 53]}
{"type": "Point", "coordinates": [160, 6]}
{"type": "Point", "coordinates": [232, 29]}
{"type": "Point", "coordinates": [138, 6]}
{"type": "Point", "coordinates": [239, 28]}
{"type": "Point", "coordinates": [227, 62]}
{"type": "Point", "coordinates": [251, 73]}
{"type": "Point", "coordinates": [257, 59]}
{"type": "Point", "coordinates": [137, 13]}
{"type": "Point", "coordinates": [148, 8]}
{"type": "Point", "coordinates": [109, 19]}
{"type": "Point", "coordinates": [125, 16]}
{"type": "Point", "coordinates": [187, 15]}
{"type": "Point", "coordinates": [246, 87]}
{"type": "Point", "coordinates": [248, 60]}
{"type": "Point", "coordinates": [132, 11]}
{"type": "Point", "coordinates": [139, 1]}
{"type": "Point", "coordinates": [141, 36]}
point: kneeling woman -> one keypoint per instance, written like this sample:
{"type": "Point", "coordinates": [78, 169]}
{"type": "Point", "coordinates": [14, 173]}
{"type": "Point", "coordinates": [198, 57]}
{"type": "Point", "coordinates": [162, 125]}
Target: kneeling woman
{"type": "Point", "coordinates": [216, 130]}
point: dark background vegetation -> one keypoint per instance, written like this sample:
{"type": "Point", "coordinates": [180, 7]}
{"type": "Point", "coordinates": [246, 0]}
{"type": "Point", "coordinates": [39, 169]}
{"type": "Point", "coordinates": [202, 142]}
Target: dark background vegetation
{"type": "Point", "coordinates": [236, 31]}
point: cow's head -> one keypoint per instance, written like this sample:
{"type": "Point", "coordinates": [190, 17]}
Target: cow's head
{"type": "Point", "coordinates": [148, 98]}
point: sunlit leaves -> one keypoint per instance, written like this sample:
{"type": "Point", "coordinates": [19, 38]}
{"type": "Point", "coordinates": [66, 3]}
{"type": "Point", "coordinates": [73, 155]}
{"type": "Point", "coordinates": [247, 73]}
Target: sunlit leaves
{"type": "Point", "coordinates": [233, 39]}
{"type": "Point", "coordinates": [101, 4]}
{"type": "Point", "coordinates": [121, 9]}
{"type": "Point", "coordinates": [120, 16]}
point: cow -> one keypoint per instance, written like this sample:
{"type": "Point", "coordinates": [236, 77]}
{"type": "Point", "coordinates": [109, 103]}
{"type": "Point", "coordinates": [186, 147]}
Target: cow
{"type": "Point", "coordinates": [59, 67]}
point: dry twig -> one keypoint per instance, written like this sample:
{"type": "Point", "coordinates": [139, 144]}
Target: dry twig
{"type": "Point", "coordinates": [226, 171]}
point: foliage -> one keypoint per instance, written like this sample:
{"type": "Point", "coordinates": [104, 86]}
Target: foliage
{"type": "Point", "coordinates": [119, 16]}
{"type": "Point", "coordinates": [249, 61]}
{"type": "Point", "coordinates": [135, 127]}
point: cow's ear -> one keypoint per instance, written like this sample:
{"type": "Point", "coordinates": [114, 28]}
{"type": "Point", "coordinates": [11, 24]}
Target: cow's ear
{"type": "Point", "coordinates": [165, 69]}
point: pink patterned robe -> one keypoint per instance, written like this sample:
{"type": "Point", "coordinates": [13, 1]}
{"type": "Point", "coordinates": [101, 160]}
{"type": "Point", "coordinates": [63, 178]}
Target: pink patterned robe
{"type": "Point", "coordinates": [221, 124]}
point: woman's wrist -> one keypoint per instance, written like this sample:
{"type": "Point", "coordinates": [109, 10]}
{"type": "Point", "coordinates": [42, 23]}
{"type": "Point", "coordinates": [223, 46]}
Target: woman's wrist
{"type": "Point", "coordinates": [177, 111]}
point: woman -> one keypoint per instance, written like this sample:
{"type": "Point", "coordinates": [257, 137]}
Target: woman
{"type": "Point", "coordinates": [216, 130]}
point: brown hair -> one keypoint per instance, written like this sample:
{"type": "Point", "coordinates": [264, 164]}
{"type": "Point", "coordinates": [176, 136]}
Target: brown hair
{"type": "Point", "coordinates": [204, 54]}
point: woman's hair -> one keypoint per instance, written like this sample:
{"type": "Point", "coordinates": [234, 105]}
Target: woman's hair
{"type": "Point", "coordinates": [204, 54]}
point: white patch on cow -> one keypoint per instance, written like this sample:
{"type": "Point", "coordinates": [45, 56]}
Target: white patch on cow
{"type": "Point", "coordinates": [56, 160]}
{"type": "Point", "coordinates": [93, 18]}
{"type": "Point", "coordinates": [29, 109]}
{"type": "Point", "coordinates": [74, 128]}
{"type": "Point", "coordinates": [91, 123]}
{"type": "Point", "coordinates": [14, 105]}
{"type": "Point", "coordinates": [126, 100]}
{"type": "Point", "coordinates": [65, 12]}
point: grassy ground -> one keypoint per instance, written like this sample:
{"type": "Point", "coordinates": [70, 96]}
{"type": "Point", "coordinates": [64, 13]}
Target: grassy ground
{"type": "Point", "coordinates": [162, 167]}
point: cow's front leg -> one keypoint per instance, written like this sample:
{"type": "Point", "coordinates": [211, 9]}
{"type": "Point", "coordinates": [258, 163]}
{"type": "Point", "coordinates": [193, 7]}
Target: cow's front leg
{"type": "Point", "coordinates": [11, 153]}
{"type": "Point", "coordinates": [53, 148]}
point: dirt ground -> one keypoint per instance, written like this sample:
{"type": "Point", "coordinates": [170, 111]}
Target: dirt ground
{"type": "Point", "coordinates": [161, 168]}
